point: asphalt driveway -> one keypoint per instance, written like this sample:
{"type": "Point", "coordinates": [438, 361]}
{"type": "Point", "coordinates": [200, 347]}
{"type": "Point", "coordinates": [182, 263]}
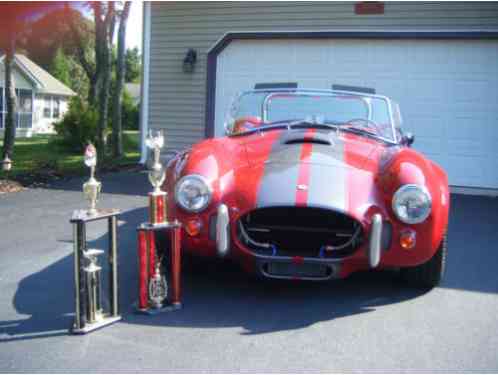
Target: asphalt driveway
{"type": "Point", "coordinates": [231, 322]}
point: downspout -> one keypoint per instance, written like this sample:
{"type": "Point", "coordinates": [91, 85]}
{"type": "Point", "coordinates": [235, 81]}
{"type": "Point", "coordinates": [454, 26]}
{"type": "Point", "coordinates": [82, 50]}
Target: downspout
{"type": "Point", "coordinates": [144, 89]}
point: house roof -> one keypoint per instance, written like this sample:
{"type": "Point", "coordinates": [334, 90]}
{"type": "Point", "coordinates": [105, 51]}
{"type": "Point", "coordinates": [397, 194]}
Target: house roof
{"type": "Point", "coordinates": [42, 80]}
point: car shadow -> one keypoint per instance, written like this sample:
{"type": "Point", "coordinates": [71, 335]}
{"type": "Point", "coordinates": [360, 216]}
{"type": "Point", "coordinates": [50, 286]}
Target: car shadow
{"type": "Point", "coordinates": [217, 294]}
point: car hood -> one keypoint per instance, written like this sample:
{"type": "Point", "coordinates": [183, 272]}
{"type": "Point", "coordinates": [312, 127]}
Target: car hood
{"type": "Point", "coordinates": [312, 168]}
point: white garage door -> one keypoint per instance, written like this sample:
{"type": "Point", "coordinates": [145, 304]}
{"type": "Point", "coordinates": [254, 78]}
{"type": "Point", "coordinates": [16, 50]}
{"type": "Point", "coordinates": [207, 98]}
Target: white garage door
{"type": "Point", "coordinates": [447, 89]}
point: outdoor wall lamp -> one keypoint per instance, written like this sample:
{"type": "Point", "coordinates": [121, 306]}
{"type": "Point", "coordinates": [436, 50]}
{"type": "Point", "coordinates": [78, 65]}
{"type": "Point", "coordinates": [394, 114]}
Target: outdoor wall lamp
{"type": "Point", "coordinates": [6, 164]}
{"type": "Point", "coordinates": [189, 61]}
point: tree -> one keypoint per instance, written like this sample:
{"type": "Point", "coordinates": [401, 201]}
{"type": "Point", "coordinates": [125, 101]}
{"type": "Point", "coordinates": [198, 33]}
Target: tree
{"type": "Point", "coordinates": [99, 72]}
{"type": "Point", "coordinates": [120, 77]}
{"type": "Point", "coordinates": [13, 18]}
{"type": "Point", "coordinates": [46, 42]}
{"type": "Point", "coordinates": [85, 50]}
{"type": "Point", "coordinates": [60, 67]}
{"type": "Point", "coordinates": [105, 20]}
{"type": "Point", "coordinates": [133, 65]}
{"type": "Point", "coordinates": [10, 96]}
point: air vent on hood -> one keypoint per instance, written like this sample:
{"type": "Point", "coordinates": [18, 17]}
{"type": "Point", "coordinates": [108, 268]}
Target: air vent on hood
{"type": "Point", "coordinates": [301, 137]}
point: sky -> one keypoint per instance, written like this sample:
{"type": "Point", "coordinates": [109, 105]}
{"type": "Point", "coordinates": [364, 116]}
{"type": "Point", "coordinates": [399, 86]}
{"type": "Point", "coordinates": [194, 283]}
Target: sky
{"type": "Point", "coordinates": [134, 27]}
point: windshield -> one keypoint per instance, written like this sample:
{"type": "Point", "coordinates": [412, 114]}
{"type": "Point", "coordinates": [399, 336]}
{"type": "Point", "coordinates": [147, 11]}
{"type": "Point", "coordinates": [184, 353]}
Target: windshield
{"type": "Point", "coordinates": [259, 109]}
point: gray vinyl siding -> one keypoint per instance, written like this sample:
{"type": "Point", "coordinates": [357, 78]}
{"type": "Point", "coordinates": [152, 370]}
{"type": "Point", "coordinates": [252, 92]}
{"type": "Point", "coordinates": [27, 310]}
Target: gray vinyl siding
{"type": "Point", "coordinates": [177, 99]}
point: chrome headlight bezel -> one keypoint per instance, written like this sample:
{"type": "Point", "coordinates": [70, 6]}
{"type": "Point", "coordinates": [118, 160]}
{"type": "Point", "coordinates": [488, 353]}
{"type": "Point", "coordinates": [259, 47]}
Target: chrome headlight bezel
{"type": "Point", "coordinates": [401, 194]}
{"type": "Point", "coordinates": [196, 179]}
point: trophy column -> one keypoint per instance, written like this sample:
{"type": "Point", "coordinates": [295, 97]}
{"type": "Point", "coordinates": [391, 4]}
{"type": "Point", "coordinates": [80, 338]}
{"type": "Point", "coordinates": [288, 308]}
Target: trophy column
{"type": "Point", "coordinates": [89, 306]}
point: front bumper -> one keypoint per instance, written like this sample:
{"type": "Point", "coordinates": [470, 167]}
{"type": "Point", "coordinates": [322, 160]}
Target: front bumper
{"type": "Point", "coordinates": [303, 268]}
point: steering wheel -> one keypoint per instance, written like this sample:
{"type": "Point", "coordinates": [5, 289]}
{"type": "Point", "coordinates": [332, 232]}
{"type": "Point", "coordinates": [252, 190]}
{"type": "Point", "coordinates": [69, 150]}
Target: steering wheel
{"type": "Point", "coordinates": [367, 122]}
{"type": "Point", "coordinates": [246, 123]}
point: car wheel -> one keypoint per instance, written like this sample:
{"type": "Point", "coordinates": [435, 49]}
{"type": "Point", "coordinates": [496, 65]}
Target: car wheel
{"type": "Point", "coordinates": [430, 273]}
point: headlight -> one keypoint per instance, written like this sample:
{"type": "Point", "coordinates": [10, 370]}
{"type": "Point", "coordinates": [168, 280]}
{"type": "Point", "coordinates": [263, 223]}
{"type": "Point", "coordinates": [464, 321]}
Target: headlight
{"type": "Point", "coordinates": [193, 193]}
{"type": "Point", "coordinates": [412, 204]}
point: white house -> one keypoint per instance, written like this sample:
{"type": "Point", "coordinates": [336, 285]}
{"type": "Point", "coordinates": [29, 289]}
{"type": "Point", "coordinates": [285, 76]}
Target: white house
{"type": "Point", "coordinates": [439, 60]}
{"type": "Point", "coordinates": [41, 98]}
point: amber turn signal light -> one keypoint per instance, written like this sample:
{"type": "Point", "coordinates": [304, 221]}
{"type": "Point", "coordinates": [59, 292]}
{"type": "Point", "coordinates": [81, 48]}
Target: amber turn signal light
{"type": "Point", "coordinates": [193, 227]}
{"type": "Point", "coordinates": [407, 239]}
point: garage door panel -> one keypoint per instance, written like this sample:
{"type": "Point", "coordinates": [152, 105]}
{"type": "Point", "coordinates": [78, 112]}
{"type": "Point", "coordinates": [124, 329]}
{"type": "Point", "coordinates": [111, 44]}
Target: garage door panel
{"type": "Point", "coordinates": [429, 146]}
{"type": "Point", "coordinates": [447, 89]}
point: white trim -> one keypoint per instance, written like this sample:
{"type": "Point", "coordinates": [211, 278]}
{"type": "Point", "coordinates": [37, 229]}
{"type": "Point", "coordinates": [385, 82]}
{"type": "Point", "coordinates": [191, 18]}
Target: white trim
{"type": "Point", "coordinates": [37, 83]}
{"type": "Point", "coordinates": [311, 31]}
{"type": "Point", "coordinates": [144, 106]}
{"type": "Point", "coordinates": [488, 192]}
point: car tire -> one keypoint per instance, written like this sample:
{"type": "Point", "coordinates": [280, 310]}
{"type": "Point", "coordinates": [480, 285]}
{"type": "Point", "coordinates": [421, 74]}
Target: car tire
{"type": "Point", "coordinates": [429, 274]}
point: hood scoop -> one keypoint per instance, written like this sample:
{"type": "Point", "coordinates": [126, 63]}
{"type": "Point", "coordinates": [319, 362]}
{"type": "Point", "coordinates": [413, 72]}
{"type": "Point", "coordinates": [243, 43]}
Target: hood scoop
{"type": "Point", "coordinates": [299, 137]}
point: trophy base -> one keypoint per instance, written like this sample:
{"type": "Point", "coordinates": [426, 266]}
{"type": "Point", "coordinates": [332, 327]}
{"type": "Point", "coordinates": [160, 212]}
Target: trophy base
{"type": "Point", "coordinates": [157, 226]}
{"type": "Point", "coordinates": [89, 327]}
{"type": "Point", "coordinates": [167, 307]}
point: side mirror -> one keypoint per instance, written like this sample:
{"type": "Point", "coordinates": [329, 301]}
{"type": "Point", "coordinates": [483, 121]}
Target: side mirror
{"type": "Point", "coordinates": [407, 139]}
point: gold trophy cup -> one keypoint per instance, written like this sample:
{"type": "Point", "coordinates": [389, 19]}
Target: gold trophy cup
{"type": "Point", "coordinates": [157, 198]}
{"type": "Point", "coordinates": [91, 188]}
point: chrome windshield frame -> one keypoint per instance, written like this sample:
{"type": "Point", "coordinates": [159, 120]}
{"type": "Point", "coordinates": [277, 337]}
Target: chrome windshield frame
{"type": "Point", "coordinates": [309, 92]}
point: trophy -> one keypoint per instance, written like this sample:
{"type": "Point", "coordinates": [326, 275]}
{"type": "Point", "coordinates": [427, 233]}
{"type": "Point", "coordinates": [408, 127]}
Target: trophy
{"type": "Point", "coordinates": [90, 311]}
{"type": "Point", "coordinates": [158, 287]}
{"type": "Point", "coordinates": [157, 197]}
{"type": "Point", "coordinates": [91, 188]}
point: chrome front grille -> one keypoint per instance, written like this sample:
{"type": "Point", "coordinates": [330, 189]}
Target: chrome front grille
{"type": "Point", "coordinates": [300, 231]}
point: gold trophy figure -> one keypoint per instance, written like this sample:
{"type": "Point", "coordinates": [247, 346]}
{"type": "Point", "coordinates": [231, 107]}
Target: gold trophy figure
{"type": "Point", "coordinates": [157, 175]}
{"type": "Point", "coordinates": [91, 188]}
{"type": "Point", "coordinates": [93, 285]}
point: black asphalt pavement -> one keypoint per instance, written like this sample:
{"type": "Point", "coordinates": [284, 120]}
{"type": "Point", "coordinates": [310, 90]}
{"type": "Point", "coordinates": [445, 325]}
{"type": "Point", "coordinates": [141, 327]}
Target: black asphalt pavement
{"type": "Point", "coordinates": [230, 322]}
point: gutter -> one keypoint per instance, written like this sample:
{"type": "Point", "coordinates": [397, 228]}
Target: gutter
{"type": "Point", "coordinates": [144, 87]}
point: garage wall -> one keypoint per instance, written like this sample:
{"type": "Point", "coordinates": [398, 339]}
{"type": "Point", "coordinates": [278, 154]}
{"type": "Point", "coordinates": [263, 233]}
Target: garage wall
{"type": "Point", "coordinates": [177, 99]}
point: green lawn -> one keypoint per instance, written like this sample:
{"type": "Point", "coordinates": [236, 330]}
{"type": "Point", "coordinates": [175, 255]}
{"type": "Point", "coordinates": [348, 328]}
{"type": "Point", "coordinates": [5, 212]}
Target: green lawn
{"type": "Point", "coordinates": [37, 153]}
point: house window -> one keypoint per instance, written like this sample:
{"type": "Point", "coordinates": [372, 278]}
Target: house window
{"type": "Point", "coordinates": [47, 107]}
{"type": "Point", "coordinates": [25, 109]}
{"type": "Point", "coordinates": [57, 108]}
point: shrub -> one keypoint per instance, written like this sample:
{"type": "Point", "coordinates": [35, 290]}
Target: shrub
{"type": "Point", "coordinates": [78, 126]}
{"type": "Point", "coordinates": [130, 112]}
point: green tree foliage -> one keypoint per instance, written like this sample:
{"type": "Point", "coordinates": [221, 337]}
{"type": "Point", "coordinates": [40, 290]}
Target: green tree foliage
{"type": "Point", "coordinates": [133, 65]}
{"type": "Point", "coordinates": [48, 42]}
{"type": "Point", "coordinates": [78, 127]}
{"type": "Point", "coordinates": [130, 112]}
{"type": "Point", "coordinates": [60, 67]}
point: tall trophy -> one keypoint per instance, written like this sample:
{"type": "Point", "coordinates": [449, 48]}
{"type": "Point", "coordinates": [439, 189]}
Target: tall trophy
{"type": "Point", "coordinates": [90, 306]}
{"type": "Point", "coordinates": [159, 262]}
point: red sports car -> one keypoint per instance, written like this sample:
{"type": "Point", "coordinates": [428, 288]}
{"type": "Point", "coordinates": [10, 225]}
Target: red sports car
{"type": "Point", "coordinates": [313, 184]}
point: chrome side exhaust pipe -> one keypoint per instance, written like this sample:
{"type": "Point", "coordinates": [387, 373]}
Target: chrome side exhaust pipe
{"type": "Point", "coordinates": [375, 241]}
{"type": "Point", "coordinates": [222, 231]}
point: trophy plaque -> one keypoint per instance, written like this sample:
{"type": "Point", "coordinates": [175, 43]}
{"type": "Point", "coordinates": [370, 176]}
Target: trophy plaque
{"type": "Point", "coordinates": [89, 298]}
{"type": "Point", "coordinates": [159, 268]}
